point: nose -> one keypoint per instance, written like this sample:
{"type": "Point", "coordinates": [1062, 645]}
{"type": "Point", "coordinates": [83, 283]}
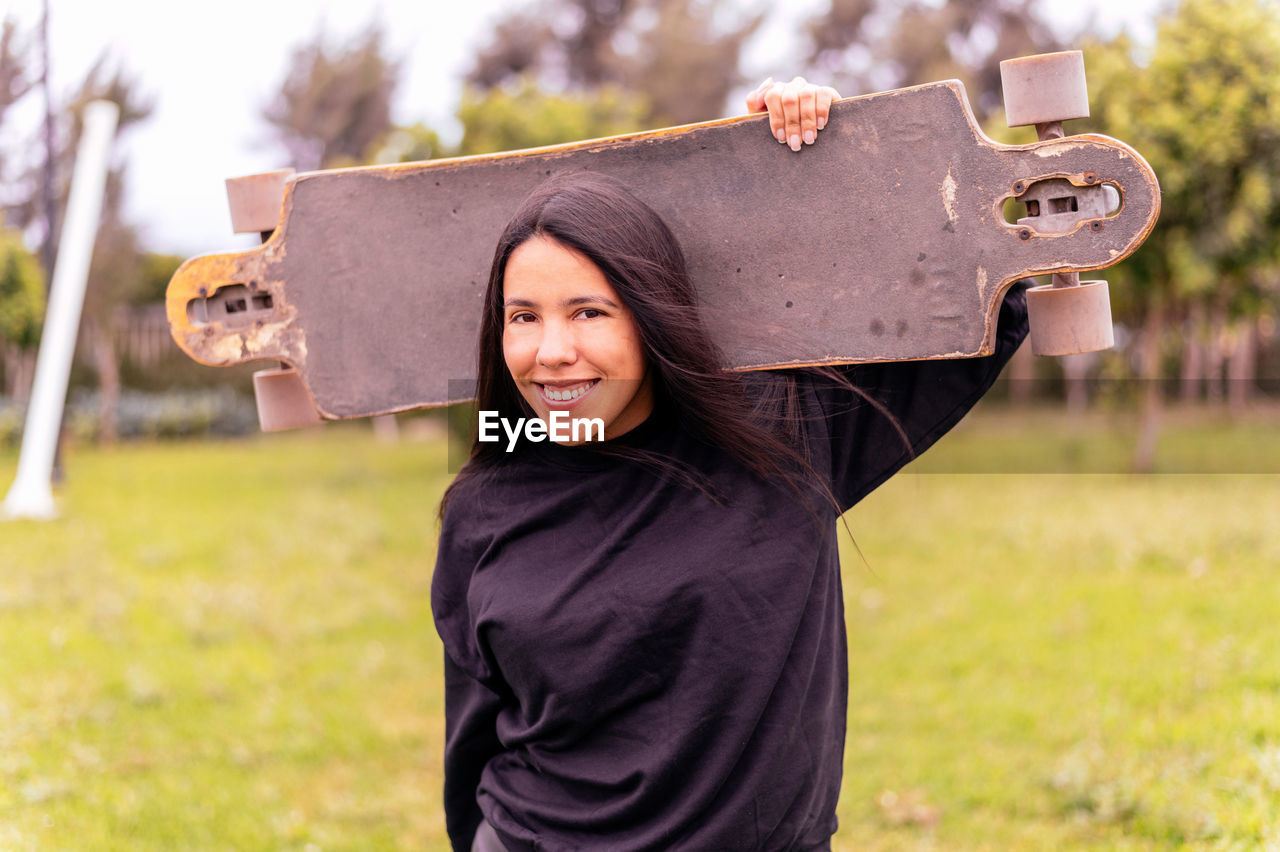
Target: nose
{"type": "Point", "coordinates": [556, 347]}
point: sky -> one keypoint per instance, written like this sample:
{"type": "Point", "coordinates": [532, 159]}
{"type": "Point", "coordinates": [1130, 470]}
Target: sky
{"type": "Point", "coordinates": [211, 67]}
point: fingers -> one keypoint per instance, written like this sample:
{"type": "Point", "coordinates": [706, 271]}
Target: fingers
{"type": "Point", "coordinates": [797, 110]}
{"type": "Point", "coordinates": [808, 116]}
{"type": "Point", "coordinates": [755, 100]}
{"type": "Point", "coordinates": [773, 103]}
{"type": "Point", "coordinates": [783, 101]}
{"type": "Point", "coordinates": [823, 98]}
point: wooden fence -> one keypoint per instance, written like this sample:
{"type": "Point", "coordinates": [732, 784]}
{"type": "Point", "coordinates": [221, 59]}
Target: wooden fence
{"type": "Point", "coordinates": [141, 336]}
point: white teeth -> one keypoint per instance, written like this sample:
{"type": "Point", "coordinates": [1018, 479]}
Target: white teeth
{"type": "Point", "coordinates": [567, 395]}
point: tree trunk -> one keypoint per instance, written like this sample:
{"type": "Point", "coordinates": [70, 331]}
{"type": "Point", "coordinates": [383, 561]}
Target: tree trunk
{"type": "Point", "coordinates": [104, 354]}
{"type": "Point", "coordinates": [1022, 371]}
{"type": "Point", "coordinates": [1075, 374]}
{"type": "Point", "coordinates": [1242, 366]}
{"type": "Point", "coordinates": [1144, 455]}
{"type": "Point", "coordinates": [9, 366]}
{"type": "Point", "coordinates": [1193, 354]}
{"type": "Point", "coordinates": [1216, 355]}
{"type": "Point", "coordinates": [19, 372]}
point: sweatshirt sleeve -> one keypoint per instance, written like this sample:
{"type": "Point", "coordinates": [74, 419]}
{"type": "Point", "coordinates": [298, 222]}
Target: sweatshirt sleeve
{"type": "Point", "coordinates": [897, 410]}
{"type": "Point", "coordinates": [471, 706]}
{"type": "Point", "coordinates": [471, 740]}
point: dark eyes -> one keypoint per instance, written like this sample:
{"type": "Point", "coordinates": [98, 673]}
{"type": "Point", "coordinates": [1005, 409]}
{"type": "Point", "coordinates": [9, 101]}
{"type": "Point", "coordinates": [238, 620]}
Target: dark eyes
{"type": "Point", "coordinates": [585, 313]}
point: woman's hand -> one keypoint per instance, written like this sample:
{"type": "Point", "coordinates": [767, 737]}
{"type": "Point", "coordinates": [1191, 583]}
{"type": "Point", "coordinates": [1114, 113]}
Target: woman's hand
{"type": "Point", "coordinates": [797, 110]}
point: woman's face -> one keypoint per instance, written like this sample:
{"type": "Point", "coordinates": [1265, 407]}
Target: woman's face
{"type": "Point", "coordinates": [568, 340]}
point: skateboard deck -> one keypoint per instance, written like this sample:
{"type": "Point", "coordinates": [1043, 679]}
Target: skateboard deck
{"type": "Point", "coordinates": [886, 240]}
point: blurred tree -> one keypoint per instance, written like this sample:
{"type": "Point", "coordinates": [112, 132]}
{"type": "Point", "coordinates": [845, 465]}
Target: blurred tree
{"type": "Point", "coordinates": [516, 49]}
{"type": "Point", "coordinates": [684, 63]}
{"type": "Point", "coordinates": [411, 144]}
{"type": "Point", "coordinates": [334, 106]}
{"type": "Point", "coordinates": [117, 256]}
{"type": "Point", "coordinates": [15, 82]}
{"type": "Point", "coordinates": [526, 117]}
{"type": "Point", "coordinates": [154, 275]}
{"type": "Point", "coordinates": [115, 268]}
{"type": "Point", "coordinates": [22, 289]}
{"type": "Point", "coordinates": [1203, 106]}
{"type": "Point", "coordinates": [102, 82]}
{"type": "Point", "coordinates": [875, 45]}
{"type": "Point", "coordinates": [21, 279]}
{"type": "Point", "coordinates": [115, 274]}
{"type": "Point", "coordinates": [682, 56]}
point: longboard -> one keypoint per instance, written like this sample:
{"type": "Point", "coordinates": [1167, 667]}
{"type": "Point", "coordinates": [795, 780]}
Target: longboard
{"type": "Point", "coordinates": [886, 240]}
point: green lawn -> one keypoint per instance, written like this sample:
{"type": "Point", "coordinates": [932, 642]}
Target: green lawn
{"type": "Point", "coordinates": [229, 646]}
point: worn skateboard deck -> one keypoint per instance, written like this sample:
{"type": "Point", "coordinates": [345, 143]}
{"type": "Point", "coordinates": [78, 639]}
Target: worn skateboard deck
{"type": "Point", "coordinates": [886, 240]}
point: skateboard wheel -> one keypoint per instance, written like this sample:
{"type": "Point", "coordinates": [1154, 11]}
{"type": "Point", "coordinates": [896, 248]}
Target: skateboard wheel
{"type": "Point", "coordinates": [1070, 320]}
{"type": "Point", "coordinates": [1045, 88]}
{"type": "Point", "coordinates": [256, 201]}
{"type": "Point", "coordinates": [283, 401]}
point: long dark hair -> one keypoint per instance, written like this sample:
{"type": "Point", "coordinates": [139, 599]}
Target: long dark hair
{"type": "Point", "coordinates": [641, 259]}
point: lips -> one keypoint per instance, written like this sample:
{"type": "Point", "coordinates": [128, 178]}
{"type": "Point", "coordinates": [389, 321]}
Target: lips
{"type": "Point", "coordinates": [565, 394]}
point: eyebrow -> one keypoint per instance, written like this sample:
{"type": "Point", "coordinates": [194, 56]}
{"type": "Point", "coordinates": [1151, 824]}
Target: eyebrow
{"type": "Point", "coordinates": [567, 303]}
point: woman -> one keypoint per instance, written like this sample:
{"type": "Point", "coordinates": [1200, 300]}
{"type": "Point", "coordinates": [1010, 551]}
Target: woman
{"type": "Point", "coordinates": [644, 636]}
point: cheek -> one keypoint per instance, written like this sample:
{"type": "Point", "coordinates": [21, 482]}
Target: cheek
{"type": "Point", "coordinates": [631, 352]}
{"type": "Point", "coordinates": [515, 353]}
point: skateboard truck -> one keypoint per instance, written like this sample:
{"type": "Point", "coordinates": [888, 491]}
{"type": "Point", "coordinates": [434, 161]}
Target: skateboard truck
{"type": "Point", "coordinates": [256, 202]}
{"type": "Point", "coordinates": [1067, 316]}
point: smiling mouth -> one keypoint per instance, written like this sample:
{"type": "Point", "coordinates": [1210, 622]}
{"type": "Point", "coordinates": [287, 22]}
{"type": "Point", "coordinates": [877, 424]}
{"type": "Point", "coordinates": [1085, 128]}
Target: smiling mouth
{"type": "Point", "coordinates": [566, 393]}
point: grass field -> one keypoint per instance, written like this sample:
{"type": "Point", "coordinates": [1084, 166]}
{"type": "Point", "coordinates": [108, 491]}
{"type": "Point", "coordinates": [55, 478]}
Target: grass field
{"type": "Point", "coordinates": [229, 646]}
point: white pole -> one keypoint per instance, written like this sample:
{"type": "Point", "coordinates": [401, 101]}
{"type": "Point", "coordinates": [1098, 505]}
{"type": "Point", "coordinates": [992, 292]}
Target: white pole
{"type": "Point", "coordinates": [31, 495]}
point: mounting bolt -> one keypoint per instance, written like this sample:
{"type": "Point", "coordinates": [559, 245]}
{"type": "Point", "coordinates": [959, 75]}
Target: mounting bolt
{"type": "Point", "coordinates": [1095, 226]}
{"type": "Point", "coordinates": [1019, 187]}
{"type": "Point", "coordinates": [1090, 178]}
{"type": "Point", "coordinates": [1024, 234]}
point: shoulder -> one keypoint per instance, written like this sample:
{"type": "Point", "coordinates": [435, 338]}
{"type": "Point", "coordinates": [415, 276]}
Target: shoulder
{"type": "Point", "coordinates": [465, 536]}
{"type": "Point", "coordinates": [479, 488]}
{"type": "Point", "coordinates": [486, 500]}
{"type": "Point", "coordinates": [794, 396]}
{"type": "Point", "coordinates": [463, 495]}
{"type": "Point", "coordinates": [465, 529]}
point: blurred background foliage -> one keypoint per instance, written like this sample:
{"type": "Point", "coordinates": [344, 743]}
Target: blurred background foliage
{"type": "Point", "coordinates": [1196, 306]}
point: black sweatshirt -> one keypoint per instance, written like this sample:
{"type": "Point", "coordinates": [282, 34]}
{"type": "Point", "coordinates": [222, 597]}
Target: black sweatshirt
{"type": "Point", "coordinates": [632, 665]}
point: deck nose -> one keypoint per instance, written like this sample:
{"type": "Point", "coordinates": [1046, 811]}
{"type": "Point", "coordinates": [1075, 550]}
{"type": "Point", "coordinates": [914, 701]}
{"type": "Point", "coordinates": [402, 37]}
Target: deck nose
{"type": "Point", "coordinates": [223, 311]}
